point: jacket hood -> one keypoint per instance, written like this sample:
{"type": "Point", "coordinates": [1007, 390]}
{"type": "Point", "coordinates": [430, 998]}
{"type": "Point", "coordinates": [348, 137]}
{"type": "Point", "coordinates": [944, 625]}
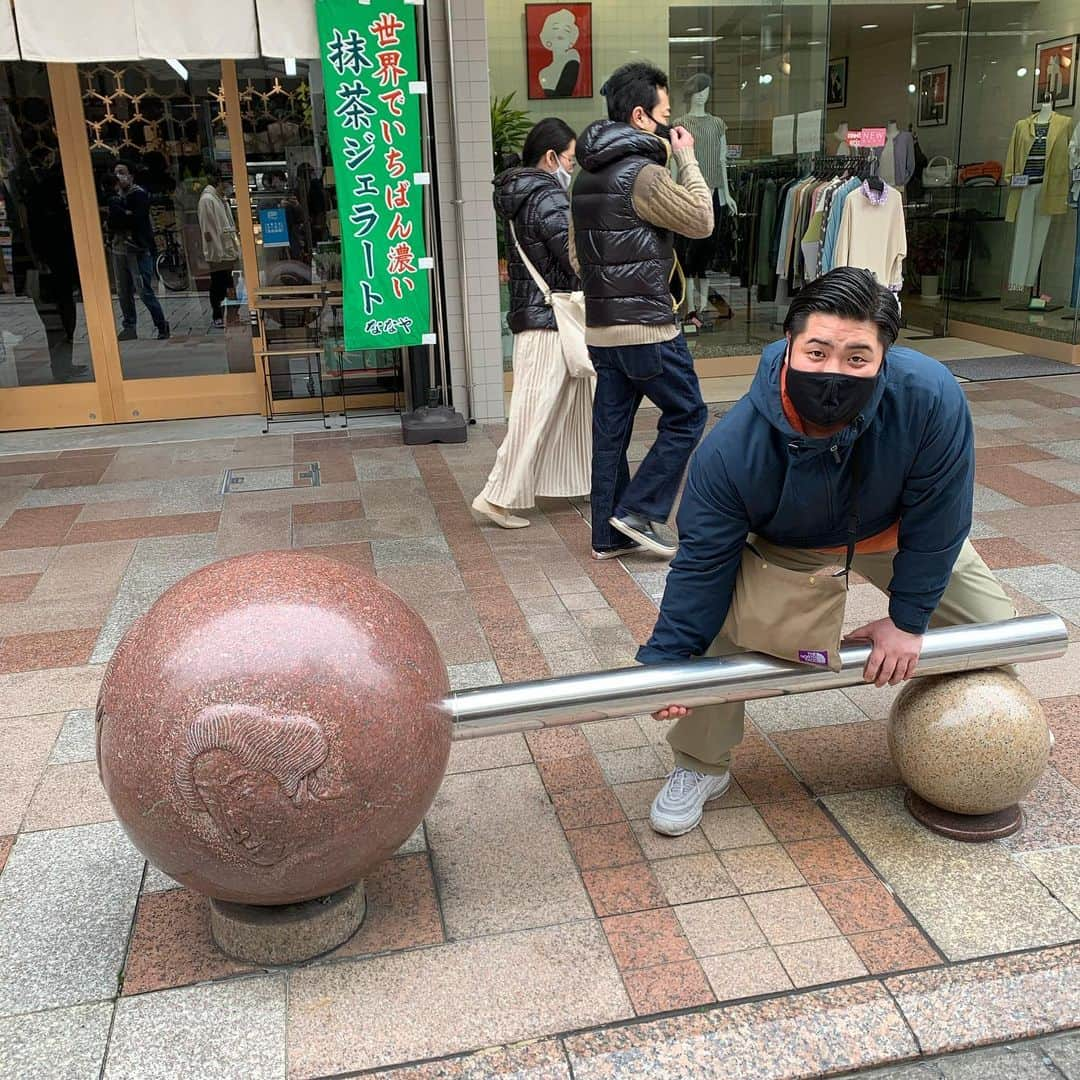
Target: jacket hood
{"type": "Point", "coordinates": [765, 397]}
{"type": "Point", "coordinates": [514, 186]}
{"type": "Point", "coordinates": [606, 141]}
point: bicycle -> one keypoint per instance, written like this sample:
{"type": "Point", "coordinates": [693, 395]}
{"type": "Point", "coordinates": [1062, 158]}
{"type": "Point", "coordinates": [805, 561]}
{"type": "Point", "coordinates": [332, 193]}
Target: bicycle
{"type": "Point", "coordinates": [171, 265]}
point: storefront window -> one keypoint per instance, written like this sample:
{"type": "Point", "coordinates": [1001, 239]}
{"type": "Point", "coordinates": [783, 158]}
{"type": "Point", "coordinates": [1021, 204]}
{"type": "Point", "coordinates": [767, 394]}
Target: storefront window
{"type": "Point", "coordinates": [746, 79]}
{"type": "Point", "coordinates": [157, 139]}
{"type": "Point", "coordinates": [42, 320]}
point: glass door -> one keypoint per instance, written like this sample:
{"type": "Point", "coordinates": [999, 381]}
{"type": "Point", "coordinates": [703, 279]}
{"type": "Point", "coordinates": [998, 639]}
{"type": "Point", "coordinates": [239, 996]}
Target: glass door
{"type": "Point", "coordinates": [164, 222]}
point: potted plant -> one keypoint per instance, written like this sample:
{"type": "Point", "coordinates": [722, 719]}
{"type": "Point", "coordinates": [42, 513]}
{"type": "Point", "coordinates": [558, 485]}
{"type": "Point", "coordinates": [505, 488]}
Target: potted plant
{"type": "Point", "coordinates": [509, 126]}
{"type": "Point", "coordinates": [929, 257]}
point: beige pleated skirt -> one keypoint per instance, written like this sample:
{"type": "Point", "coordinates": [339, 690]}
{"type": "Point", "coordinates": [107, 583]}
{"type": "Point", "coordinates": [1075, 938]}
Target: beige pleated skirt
{"type": "Point", "coordinates": [547, 451]}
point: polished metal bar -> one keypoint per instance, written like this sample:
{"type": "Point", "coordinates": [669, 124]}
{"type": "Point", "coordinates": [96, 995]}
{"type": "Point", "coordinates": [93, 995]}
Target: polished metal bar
{"type": "Point", "coordinates": [607, 695]}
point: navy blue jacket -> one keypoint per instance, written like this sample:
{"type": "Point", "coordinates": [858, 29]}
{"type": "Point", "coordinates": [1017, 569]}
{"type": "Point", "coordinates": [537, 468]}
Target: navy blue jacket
{"type": "Point", "coordinates": [755, 473]}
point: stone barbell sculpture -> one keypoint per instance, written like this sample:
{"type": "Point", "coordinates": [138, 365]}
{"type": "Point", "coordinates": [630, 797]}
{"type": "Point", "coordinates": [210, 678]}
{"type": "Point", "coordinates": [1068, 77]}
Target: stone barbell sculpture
{"type": "Point", "coordinates": [277, 725]}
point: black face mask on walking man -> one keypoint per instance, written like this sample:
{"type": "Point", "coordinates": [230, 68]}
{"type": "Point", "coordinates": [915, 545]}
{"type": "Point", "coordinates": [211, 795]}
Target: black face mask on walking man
{"type": "Point", "coordinates": [827, 399]}
{"type": "Point", "coordinates": [662, 129]}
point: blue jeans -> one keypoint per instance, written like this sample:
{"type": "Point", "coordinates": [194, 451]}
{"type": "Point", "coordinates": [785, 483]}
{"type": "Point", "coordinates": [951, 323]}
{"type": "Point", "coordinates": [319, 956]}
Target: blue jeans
{"type": "Point", "coordinates": [134, 272]}
{"type": "Point", "coordinates": [664, 374]}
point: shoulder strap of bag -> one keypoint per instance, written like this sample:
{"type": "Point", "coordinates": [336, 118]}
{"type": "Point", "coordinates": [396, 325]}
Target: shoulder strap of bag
{"type": "Point", "coordinates": [541, 284]}
{"type": "Point", "coordinates": [853, 513]}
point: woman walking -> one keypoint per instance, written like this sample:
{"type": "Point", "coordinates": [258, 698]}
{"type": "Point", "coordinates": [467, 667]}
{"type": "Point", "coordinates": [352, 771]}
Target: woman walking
{"type": "Point", "coordinates": [547, 451]}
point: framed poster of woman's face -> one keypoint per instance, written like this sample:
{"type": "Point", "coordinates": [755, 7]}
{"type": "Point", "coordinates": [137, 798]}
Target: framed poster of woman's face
{"type": "Point", "coordinates": [558, 48]}
{"type": "Point", "coordinates": [934, 96]}
{"type": "Point", "coordinates": [1055, 77]}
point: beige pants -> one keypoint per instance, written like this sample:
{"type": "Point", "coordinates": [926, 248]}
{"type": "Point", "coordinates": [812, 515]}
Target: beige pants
{"type": "Point", "coordinates": [704, 739]}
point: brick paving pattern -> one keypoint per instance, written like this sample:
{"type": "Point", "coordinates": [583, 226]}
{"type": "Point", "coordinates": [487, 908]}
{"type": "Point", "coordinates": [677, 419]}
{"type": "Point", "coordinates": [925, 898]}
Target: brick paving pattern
{"type": "Point", "coordinates": [535, 925]}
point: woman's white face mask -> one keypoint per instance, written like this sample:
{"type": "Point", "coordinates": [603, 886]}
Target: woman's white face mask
{"type": "Point", "coordinates": [564, 175]}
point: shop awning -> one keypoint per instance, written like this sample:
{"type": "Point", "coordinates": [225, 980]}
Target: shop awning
{"type": "Point", "coordinates": [77, 31]}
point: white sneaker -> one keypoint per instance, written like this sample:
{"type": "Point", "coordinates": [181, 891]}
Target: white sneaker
{"type": "Point", "coordinates": [677, 808]}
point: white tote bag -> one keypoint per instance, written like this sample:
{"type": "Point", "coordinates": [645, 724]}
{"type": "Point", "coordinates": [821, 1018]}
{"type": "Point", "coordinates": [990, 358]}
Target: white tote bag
{"type": "Point", "coordinates": [569, 310]}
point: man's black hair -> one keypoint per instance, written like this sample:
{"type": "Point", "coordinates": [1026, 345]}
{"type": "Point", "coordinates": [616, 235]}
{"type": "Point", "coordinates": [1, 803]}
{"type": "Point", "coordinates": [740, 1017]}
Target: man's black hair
{"type": "Point", "coordinates": [551, 133]}
{"type": "Point", "coordinates": [851, 294]}
{"type": "Point", "coordinates": [633, 84]}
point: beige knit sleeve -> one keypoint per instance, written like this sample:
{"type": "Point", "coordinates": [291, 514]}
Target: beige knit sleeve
{"type": "Point", "coordinates": [684, 206]}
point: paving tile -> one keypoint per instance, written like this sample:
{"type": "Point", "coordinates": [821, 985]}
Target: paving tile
{"type": "Point", "coordinates": [406, 552]}
{"type": "Point", "coordinates": [734, 827]}
{"type": "Point", "coordinates": [16, 587]}
{"type": "Point", "coordinates": [861, 905]}
{"type": "Point", "coordinates": [66, 902]}
{"type": "Point", "coordinates": [155, 880]}
{"type": "Point", "coordinates": [541, 1060]}
{"type": "Point", "coordinates": [64, 1044]}
{"type": "Point", "coordinates": [715, 927]}
{"type": "Point", "coordinates": [788, 916]}
{"type": "Point", "coordinates": [557, 742]}
{"type": "Point", "coordinates": [826, 860]}
{"type": "Point", "coordinates": [811, 1034]}
{"type": "Point", "coordinates": [518, 986]}
{"type": "Point", "coordinates": [234, 1030]}
{"type": "Point", "coordinates": [604, 846]}
{"type": "Point", "coordinates": [77, 739]}
{"type": "Point", "coordinates": [632, 764]}
{"type": "Point", "coordinates": [619, 890]}
{"type": "Point", "coordinates": [493, 752]}
{"type": "Point", "coordinates": [353, 554]}
{"type": "Point", "coordinates": [989, 1001]}
{"type": "Point", "coordinates": [1054, 678]}
{"type": "Point", "coordinates": [1065, 1054]}
{"type": "Point", "coordinates": [810, 963]}
{"type": "Point", "coordinates": [171, 944]}
{"type": "Point", "coordinates": [668, 987]}
{"type": "Point", "coordinates": [767, 783]}
{"type": "Point", "coordinates": [1059, 870]}
{"type": "Point", "coordinates": [874, 702]}
{"type": "Point", "coordinates": [688, 879]}
{"type": "Point", "coordinates": [6, 843]}
{"type": "Point", "coordinates": [973, 900]}
{"type": "Point", "coordinates": [798, 711]}
{"type": "Point", "coordinates": [840, 758]}
{"type": "Point", "coordinates": [27, 742]}
{"type": "Point", "coordinates": [500, 856]}
{"type": "Point", "coordinates": [756, 869]}
{"type": "Point", "coordinates": [62, 648]}
{"type": "Point", "coordinates": [1051, 815]}
{"type": "Point", "coordinates": [647, 938]}
{"type": "Point", "coordinates": [1047, 582]}
{"type": "Point", "coordinates": [796, 819]}
{"type": "Point", "coordinates": [343, 510]}
{"type": "Point", "coordinates": [1001, 553]}
{"type": "Point", "coordinates": [571, 773]}
{"type": "Point", "coordinates": [605, 735]}
{"type": "Point", "coordinates": [655, 846]}
{"type": "Point", "coordinates": [1022, 487]}
{"type": "Point", "coordinates": [587, 807]}
{"type": "Point", "coordinates": [402, 908]}
{"type": "Point", "coordinates": [45, 526]}
{"type": "Point", "coordinates": [746, 974]}
{"type": "Point", "coordinates": [899, 949]}
{"type": "Point", "coordinates": [90, 532]}
{"type": "Point", "coordinates": [68, 795]}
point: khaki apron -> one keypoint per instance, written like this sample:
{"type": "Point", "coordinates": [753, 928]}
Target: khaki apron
{"type": "Point", "coordinates": [789, 614]}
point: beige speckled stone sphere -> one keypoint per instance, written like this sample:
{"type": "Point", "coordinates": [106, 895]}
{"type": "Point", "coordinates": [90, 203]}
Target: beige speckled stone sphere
{"type": "Point", "coordinates": [972, 743]}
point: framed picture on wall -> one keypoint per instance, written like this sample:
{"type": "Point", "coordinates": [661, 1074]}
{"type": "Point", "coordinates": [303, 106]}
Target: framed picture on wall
{"type": "Point", "coordinates": [934, 96]}
{"type": "Point", "coordinates": [836, 90]}
{"type": "Point", "coordinates": [1055, 74]}
{"type": "Point", "coordinates": [558, 48]}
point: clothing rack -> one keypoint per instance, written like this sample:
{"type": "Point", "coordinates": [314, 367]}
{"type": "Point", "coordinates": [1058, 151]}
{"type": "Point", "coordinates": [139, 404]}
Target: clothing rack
{"type": "Point", "coordinates": [825, 165]}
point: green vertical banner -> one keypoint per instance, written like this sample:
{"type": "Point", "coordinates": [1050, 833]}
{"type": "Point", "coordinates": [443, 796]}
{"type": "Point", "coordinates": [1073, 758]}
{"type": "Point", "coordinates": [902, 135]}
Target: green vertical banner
{"type": "Point", "coordinates": [373, 101]}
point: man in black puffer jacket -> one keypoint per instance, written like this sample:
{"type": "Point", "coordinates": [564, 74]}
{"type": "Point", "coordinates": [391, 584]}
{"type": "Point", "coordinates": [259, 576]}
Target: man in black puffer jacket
{"type": "Point", "coordinates": [626, 208]}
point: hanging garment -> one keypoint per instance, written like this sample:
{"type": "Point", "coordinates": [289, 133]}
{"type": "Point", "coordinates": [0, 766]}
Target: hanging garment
{"type": "Point", "coordinates": [832, 229]}
{"type": "Point", "coordinates": [1054, 188]}
{"type": "Point", "coordinates": [872, 235]}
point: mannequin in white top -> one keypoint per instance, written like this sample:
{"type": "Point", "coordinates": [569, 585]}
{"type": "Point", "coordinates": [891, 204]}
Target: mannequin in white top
{"type": "Point", "coordinates": [1045, 111]}
{"type": "Point", "coordinates": [887, 160]}
{"type": "Point", "coordinates": [840, 135]}
{"type": "Point", "coordinates": [710, 148]}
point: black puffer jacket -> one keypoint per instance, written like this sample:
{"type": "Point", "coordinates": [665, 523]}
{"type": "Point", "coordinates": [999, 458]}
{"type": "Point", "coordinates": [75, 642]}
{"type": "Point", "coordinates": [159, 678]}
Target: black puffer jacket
{"type": "Point", "coordinates": [626, 262]}
{"type": "Point", "coordinates": [536, 203]}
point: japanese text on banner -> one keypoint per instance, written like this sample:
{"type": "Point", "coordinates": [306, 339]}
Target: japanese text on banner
{"type": "Point", "coordinates": [369, 61]}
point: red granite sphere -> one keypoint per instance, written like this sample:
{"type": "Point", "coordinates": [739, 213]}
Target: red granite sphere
{"type": "Point", "coordinates": [270, 730]}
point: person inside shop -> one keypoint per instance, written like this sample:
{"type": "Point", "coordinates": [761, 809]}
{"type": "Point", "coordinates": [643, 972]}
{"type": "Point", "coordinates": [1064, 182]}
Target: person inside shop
{"type": "Point", "coordinates": [548, 442]}
{"type": "Point", "coordinates": [221, 247]}
{"type": "Point", "coordinates": [626, 208]}
{"type": "Point", "coordinates": [132, 244]}
{"type": "Point", "coordinates": [848, 453]}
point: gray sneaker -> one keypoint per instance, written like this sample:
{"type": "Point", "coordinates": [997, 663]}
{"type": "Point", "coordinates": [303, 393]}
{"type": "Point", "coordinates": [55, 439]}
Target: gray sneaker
{"type": "Point", "coordinates": [641, 530]}
{"type": "Point", "coordinates": [678, 807]}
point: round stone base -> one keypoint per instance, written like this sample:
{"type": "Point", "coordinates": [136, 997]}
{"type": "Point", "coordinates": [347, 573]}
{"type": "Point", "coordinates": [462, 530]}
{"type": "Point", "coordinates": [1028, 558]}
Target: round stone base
{"type": "Point", "coordinates": [971, 828]}
{"type": "Point", "coordinates": [289, 933]}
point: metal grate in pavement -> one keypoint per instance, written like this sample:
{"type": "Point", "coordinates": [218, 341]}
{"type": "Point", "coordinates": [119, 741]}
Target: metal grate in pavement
{"type": "Point", "coordinates": [270, 478]}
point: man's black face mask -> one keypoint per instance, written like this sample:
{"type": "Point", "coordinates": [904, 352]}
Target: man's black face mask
{"type": "Point", "coordinates": [826, 399]}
